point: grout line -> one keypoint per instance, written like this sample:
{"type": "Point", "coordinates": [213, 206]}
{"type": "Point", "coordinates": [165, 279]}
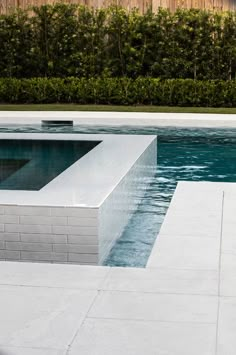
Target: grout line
{"type": "Point", "coordinates": [104, 290]}
{"type": "Point", "coordinates": [51, 287]}
{"type": "Point", "coordinates": [221, 238]}
{"type": "Point", "coordinates": [158, 292]}
{"type": "Point", "coordinates": [67, 242]}
{"type": "Point", "coordinates": [161, 268]}
{"type": "Point", "coordinates": [103, 281]}
{"type": "Point", "coordinates": [7, 346]}
{"type": "Point", "coordinates": [81, 324]}
{"type": "Point", "coordinates": [151, 320]}
{"type": "Point", "coordinates": [219, 275]}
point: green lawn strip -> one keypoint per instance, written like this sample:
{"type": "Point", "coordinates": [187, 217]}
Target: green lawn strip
{"type": "Point", "coordinates": [74, 107]}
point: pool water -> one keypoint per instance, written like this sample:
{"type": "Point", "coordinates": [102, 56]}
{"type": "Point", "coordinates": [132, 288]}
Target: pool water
{"type": "Point", "coordinates": [30, 165]}
{"type": "Point", "coordinates": [189, 156]}
{"type": "Point", "coordinates": [183, 154]}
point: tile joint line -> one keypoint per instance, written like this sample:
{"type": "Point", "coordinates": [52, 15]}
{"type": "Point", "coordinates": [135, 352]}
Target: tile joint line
{"type": "Point", "coordinates": [81, 324]}
{"type": "Point", "coordinates": [219, 272]}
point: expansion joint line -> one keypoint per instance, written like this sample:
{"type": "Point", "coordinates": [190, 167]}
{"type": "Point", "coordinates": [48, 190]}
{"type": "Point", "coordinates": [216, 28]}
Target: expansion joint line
{"type": "Point", "coordinates": [219, 271]}
{"type": "Point", "coordinates": [81, 324]}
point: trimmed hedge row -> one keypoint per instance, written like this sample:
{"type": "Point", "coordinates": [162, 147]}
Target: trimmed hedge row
{"type": "Point", "coordinates": [119, 91]}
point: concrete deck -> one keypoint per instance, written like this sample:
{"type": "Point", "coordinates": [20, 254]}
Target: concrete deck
{"type": "Point", "coordinates": [183, 303]}
{"type": "Point", "coordinates": [119, 118]}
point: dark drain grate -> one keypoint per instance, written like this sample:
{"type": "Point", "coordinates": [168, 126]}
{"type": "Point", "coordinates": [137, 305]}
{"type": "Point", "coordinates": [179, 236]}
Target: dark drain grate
{"type": "Point", "coordinates": [50, 123]}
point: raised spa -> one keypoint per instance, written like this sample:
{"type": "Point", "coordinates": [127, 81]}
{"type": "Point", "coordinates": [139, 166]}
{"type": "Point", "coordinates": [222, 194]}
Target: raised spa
{"type": "Point", "coordinates": [66, 197]}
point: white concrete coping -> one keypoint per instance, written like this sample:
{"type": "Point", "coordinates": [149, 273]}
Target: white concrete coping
{"type": "Point", "coordinates": [90, 179]}
{"type": "Point", "coordinates": [120, 118]}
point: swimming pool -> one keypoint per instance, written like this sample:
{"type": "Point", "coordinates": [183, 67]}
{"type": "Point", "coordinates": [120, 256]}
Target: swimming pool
{"type": "Point", "coordinates": [183, 154]}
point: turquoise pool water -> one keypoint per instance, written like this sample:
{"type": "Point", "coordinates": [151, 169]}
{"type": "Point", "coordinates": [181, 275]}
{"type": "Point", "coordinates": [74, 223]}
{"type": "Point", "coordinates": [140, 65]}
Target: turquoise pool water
{"type": "Point", "coordinates": [183, 154]}
{"type": "Point", "coordinates": [189, 155]}
{"type": "Point", "coordinates": [30, 165]}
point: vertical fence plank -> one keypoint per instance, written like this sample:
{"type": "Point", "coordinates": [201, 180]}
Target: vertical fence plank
{"type": "Point", "coordinates": [6, 6]}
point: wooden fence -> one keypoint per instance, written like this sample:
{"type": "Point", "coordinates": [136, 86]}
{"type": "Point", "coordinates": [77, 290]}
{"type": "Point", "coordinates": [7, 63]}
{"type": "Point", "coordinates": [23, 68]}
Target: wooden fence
{"type": "Point", "coordinates": [6, 6]}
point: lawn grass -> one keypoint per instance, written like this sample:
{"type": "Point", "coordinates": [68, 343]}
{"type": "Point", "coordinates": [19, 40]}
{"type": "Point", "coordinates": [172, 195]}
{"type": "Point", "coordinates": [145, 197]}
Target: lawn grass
{"type": "Point", "coordinates": [110, 108]}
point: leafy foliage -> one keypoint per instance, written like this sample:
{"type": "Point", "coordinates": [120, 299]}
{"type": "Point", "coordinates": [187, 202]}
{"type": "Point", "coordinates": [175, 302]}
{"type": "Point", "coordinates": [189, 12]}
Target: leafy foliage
{"type": "Point", "coordinates": [69, 40]}
{"type": "Point", "coordinates": [120, 91]}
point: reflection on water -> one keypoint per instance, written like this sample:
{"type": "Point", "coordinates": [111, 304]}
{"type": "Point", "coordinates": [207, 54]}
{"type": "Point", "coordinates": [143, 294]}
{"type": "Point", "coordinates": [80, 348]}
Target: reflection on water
{"type": "Point", "coordinates": [183, 154]}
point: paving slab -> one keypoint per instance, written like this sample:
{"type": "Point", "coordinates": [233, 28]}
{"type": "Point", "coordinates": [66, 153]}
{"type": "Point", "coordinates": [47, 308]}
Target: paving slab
{"type": "Point", "coordinates": [182, 225]}
{"type": "Point", "coordinates": [197, 198]}
{"type": "Point", "coordinates": [190, 236]}
{"type": "Point", "coordinates": [229, 220]}
{"type": "Point", "coordinates": [162, 280]}
{"type": "Point", "coordinates": [115, 337]}
{"type": "Point", "coordinates": [49, 275]}
{"type": "Point", "coordinates": [228, 247]}
{"type": "Point", "coordinates": [195, 211]}
{"type": "Point", "coordinates": [30, 351]}
{"type": "Point", "coordinates": [228, 275]}
{"type": "Point", "coordinates": [153, 306]}
{"type": "Point", "coordinates": [226, 343]}
{"type": "Point", "coordinates": [186, 253]}
{"type": "Point", "coordinates": [41, 317]}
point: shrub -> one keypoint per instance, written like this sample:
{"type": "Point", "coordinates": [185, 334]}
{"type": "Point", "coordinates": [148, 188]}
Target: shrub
{"type": "Point", "coordinates": [64, 40]}
{"type": "Point", "coordinates": [119, 91]}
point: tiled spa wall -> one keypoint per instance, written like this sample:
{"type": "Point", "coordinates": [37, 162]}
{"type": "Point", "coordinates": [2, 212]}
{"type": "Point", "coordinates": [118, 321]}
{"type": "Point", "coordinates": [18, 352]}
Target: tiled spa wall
{"type": "Point", "coordinates": [50, 234]}
{"type": "Point", "coordinates": [72, 234]}
{"type": "Point", "coordinates": [119, 206]}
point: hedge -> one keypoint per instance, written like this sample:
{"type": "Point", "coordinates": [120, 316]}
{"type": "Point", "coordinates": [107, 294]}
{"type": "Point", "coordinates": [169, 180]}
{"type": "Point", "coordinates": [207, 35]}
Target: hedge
{"type": "Point", "coordinates": [119, 91]}
{"type": "Point", "coordinates": [68, 40]}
